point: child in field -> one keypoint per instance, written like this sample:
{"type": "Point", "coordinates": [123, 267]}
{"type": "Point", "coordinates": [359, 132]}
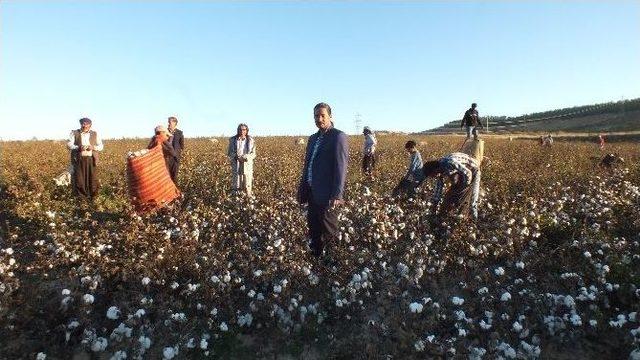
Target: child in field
{"type": "Point", "coordinates": [414, 176]}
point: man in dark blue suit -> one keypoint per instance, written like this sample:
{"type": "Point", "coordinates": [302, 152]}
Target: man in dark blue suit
{"type": "Point", "coordinates": [177, 141]}
{"type": "Point", "coordinates": [323, 179]}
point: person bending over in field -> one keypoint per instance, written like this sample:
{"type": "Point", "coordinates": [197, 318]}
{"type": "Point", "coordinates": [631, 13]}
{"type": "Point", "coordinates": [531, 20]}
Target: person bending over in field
{"type": "Point", "coordinates": [161, 138]}
{"type": "Point", "coordinates": [609, 161]}
{"type": "Point", "coordinates": [463, 173]}
{"type": "Point", "coordinates": [414, 176]}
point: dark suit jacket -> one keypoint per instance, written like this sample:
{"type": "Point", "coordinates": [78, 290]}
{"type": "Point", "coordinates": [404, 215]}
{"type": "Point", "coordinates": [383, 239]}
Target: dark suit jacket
{"type": "Point", "coordinates": [329, 172]}
{"type": "Point", "coordinates": [177, 141]}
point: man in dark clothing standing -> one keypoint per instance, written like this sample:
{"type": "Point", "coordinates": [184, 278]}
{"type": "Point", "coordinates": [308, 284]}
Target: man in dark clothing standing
{"type": "Point", "coordinates": [176, 139]}
{"type": "Point", "coordinates": [323, 179]}
{"type": "Point", "coordinates": [471, 120]}
{"type": "Point", "coordinates": [85, 144]}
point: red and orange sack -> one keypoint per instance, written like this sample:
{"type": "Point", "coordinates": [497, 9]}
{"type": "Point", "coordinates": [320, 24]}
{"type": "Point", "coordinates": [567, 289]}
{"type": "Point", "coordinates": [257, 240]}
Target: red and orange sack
{"type": "Point", "coordinates": [150, 185]}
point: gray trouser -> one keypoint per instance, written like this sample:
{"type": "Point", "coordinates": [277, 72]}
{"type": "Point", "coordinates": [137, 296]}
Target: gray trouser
{"type": "Point", "coordinates": [472, 130]}
{"type": "Point", "coordinates": [475, 194]}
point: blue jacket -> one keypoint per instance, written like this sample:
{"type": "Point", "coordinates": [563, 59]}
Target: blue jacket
{"type": "Point", "coordinates": [329, 170]}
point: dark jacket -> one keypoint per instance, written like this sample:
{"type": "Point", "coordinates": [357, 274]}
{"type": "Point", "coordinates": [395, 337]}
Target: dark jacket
{"type": "Point", "coordinates": [329, 168]}
{"type": "Point", "coordinates": [471, 118]}
{"type": "Point", "coordinates": [177, 141]}
{"type": "Point", "coordinates": [169, 153]}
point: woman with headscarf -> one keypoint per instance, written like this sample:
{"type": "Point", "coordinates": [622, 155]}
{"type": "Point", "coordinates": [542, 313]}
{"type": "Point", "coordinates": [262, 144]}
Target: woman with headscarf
{"type": "Point", "coordinates": [241, 153]}
{"type": "Point", "coordinates": [369, 158]}
{"type": "Point", "coordinates": [161, 138]}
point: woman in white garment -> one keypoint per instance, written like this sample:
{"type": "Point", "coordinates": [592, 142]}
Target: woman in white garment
{"type": "Point", "coordinates": [369, 152]}
{"type": "Point", "coordinates": [241, 153]}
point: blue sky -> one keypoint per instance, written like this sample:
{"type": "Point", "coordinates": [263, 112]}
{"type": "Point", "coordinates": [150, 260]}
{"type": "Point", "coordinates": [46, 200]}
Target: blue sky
{"type": "Point", "coordinates": [406, 66]}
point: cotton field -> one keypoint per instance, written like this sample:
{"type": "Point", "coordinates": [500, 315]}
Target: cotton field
{"type": "Point", "coordinates": [550, 270]}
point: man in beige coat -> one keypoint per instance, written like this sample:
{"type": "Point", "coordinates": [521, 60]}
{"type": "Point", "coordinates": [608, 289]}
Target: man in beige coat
{"type": "Point", "coordinates": [241, 153]}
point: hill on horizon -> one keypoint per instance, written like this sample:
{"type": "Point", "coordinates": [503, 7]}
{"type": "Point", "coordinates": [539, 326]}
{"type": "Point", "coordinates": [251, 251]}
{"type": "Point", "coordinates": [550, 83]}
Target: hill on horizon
{"type": "Point", "coordinates": [617, 116]}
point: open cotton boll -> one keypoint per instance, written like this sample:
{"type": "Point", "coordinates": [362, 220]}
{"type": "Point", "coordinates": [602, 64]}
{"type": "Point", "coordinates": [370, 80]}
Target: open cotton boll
{"type": "Point", "coordinates": [415, 307]}
{"type": "Point", "coordinates": [99, 344]}
{"type": "Point", "coordinates": [169, 353]}
{"type": "Point", "coordinates": [88, 298]}
{"type": "Point", "coordinates": [457, 301]}
{"type": "Point", "coordinates": [113, 313]}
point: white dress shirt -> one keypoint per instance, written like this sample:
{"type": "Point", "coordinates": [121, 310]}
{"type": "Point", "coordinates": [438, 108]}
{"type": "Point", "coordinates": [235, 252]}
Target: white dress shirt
{"type": "Point", "coordinates": [84, 141]}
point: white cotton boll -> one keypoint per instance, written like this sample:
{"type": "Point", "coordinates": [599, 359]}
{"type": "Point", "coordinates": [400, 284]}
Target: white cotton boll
{"type": "Point", "coordinates": [119, 355]}
{"type": "Point", "coordinates": [88, 299]}
{"type": "Point", "coordinates": [415, 307]}
{"type": "Point", "coordinates": [587, 254]}
{"type": "Point", "coordinates": [113, 313]}
{"type": "Point", "coordinates": [145, 342]}
{"type": "Point", "coordinates": [516, 327]}
{"type": "Point", "coordinates": [635, 355]}
{"type": "Point", "coordinates": [483, 290]}
{"type": "Point", "coordinates": [569, 302]}
{"type": "Point", "coordinates": [41, 356]}
{"type": "Point", "coordinates": [576, 320]}
{"type": "Point", "coordinates": [140, 313]}
{"type": "Point", "coordinates": [457, 301]}
{"type": "Point", "coordinates": [520, 265]}
{"type": "Point", "coordinates": [277, 289]}
{"type": "Point", "coordinates": [505, 297]}
{"type": "Point", "coordinates": [257, 273]}
{"type": "Point", "coordinates": [419, 345]}
{"type": "Point", "coordinates": [462, 332]}
{"type": "Point", "coordinates": [145, 281]}
{"type": "Point", "coordinates": [12, 262]}
{"type": "Point", "coordinates": [593, 323]}
{"type": "Point", "coordinates": [245, 320]}
{"type": "Point", "coordinates": [430, 338]}
{"type": "Point", "coordinates": [8, 251]}
{"type": "Point", "coordinates": [260, 297]}
{"type": "Point", "coordinates": [277, 243]}
{"type": "Point", "coordinates": [224, 327]}
{"type": "Point", "coordinates": [169, 353]}
{"type": "Point", "coordinates": [204, 344]}
{"type": "Point", "coordinates": [99, 344]}
{"type": "Point", "coordinates": [633, 316]}
{"type": "Point", "coordinates": [251, 293]}
{"type": "Point", "coordinates": [507, 350]}
{"type": "Point", "coordinates": [174, 285]}
{"type": "Point", "coordinates": [179, 317]}
{"type": "Point", "coordinates": [191, 343]}
{"type": "Point", "coordinates": [499, 271]}
{"type": "Point", "coordinates": [226, 278]}
{"type": "Point", "coordinates": [66, 292]}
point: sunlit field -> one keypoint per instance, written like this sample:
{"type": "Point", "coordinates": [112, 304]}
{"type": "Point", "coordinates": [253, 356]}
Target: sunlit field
{"type": "Point", "coordinates": [550, 270]}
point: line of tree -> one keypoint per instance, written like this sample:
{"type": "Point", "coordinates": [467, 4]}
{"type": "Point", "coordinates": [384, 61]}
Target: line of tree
{"type": "Point", "coordinates": [564, 113]}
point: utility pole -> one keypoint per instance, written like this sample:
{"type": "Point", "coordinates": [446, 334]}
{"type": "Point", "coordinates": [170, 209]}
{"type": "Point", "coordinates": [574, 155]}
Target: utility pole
{"type": "Point", "coordinates": [357, 122]}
